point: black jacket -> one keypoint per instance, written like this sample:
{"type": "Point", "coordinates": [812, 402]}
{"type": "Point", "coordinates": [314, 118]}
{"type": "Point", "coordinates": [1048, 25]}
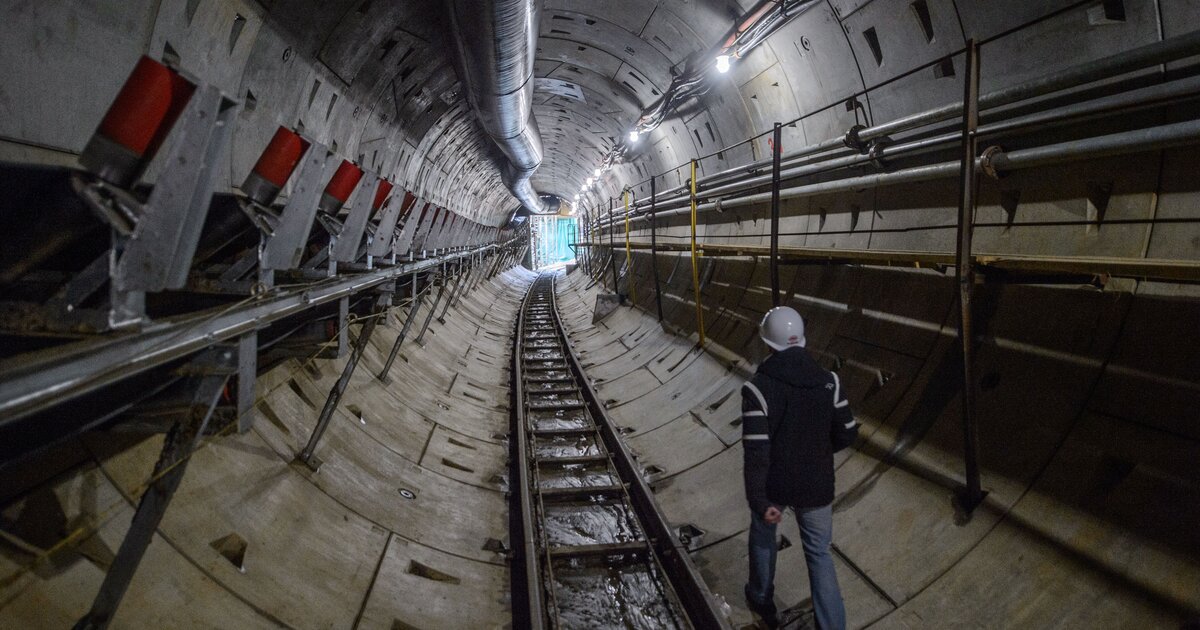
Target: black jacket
{"type": "Point", "coordinates": [795, 416]}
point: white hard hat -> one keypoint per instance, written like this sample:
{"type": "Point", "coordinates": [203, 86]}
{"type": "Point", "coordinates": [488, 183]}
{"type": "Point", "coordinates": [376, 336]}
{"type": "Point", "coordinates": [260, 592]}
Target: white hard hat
{"type": "Point", "coordinates": [782, 328]}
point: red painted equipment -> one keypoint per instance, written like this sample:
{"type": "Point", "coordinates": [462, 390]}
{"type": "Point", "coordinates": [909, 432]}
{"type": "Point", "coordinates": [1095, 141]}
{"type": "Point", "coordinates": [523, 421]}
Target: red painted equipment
{"type": "Point", "coordinates": [138, 120]}
{"type": "Point", "coordinates": [381, 194]}
{"type": "Point", "coordinates": [274, 166]}
{"type": "Point", "coordinates": [340, 186]}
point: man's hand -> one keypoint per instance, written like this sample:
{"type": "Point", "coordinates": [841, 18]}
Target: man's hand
{"type": "Point", "coordinates": [773, 515]}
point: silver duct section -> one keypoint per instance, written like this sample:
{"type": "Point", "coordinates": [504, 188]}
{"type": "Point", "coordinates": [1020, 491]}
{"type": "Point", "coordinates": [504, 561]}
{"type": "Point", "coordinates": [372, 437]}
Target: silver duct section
{"type": "Point", "coordinates": [496, 42]}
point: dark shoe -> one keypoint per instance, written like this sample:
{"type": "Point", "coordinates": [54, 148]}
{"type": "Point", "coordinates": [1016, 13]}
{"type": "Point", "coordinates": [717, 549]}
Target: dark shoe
{"type": "Point", "coordinates": [767, 611]}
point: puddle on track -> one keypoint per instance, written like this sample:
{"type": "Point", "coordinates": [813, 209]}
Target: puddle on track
{"type": "Point", "coordinates": [589, 524]}
{"type": "Point", "coordinates": [546, 419]}
{"type": "Point", "coordinates": [591, 594]}
{"type": "Point", "coordinates": [541, 400]}
{"type": "Point", "coordinates": [576, 476]}
{"type": "Point", "coordinates": [565, 446]}
{"type": "Point", "coordinates": [542, 354]}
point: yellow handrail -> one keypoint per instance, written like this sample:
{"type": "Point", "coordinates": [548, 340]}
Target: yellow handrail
{"type": "Point", "coordinates": [629, 256]}
{"type": "Point", "coordinates": [695, 263]}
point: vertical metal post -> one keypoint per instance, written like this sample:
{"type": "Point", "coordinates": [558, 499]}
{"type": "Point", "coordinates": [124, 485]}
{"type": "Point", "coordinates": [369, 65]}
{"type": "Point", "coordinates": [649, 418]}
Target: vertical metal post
{"type": "Point", "coordinates": [654, 250]}
{"type": "Point", "coordinates": [343, 331]}
{"type": "Point", "coordinates": [696, 260]}
{"type": "Point", "coordinates": [629, 257]}
{"type": "Point", "coordinates": [594, 239]}
{"type": "Point", "coordinates": [612, 249]}
{"type": "Point", "coordinates": [599, 270]}
{"type": "Point", "coordinates": [965, 274]}
{"type": "Point", "coordinates": [247, 357]}
{"type": "Point", "coordinates": [339, 388]}
{"type": "Point", "coordinates": [209, 375]}
{"type": "Point", "coordinates": [777, 139]}
{"type": "Point", "coordinates": [580, 250]}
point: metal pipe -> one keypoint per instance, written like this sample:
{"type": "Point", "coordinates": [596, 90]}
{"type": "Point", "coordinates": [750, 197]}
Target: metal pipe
{"type": "Point", "coordinates": [496, 42]}
{"type": "Point", "coordinates": [1143, 57]}
{"type": "Point", "coordinates": [775, 150]}
{"type": "Point", "coordinates": [965, 275]}
{"type": "Point", "coordinates": [1150, 138]}
{"type": "Point", "coordinates": [1127, 101]}
{"type": "Point", "coordinates": [680, 192]}
{"type": "Point", "coordinates": [1095, 70]}
{"type": "Point", "coordinates": [1160, 137]}
{"type": "Point", "coordinates": [1166, 270]}
{"type": "Point", "coordinates": [696, 263]}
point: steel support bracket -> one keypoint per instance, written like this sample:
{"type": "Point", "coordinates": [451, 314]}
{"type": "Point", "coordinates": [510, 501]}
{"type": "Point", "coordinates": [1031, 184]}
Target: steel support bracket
{"type": "Point", "coordinates": [208, 375]}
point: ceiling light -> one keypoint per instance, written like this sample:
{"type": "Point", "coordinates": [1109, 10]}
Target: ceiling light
{"type": "Point", "coordinates": [598, 171]}
{"type": "Point", "coordinates": [633, 135]}
{"type": "Point", "coordinates": [722, 63]}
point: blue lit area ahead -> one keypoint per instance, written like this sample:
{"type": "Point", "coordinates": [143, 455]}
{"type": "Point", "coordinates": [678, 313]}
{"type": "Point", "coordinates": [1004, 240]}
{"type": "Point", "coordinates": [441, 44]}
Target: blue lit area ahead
{"type": "Point", "coordinates": [552, 237]}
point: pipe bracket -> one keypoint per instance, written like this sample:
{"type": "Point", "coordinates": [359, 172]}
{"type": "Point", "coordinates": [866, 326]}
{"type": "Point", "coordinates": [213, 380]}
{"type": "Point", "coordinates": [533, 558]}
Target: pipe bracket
{"type": "Point", "coordinates": [985, 161]}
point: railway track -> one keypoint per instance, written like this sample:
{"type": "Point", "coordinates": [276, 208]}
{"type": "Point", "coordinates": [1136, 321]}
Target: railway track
{"type": "Point", "coordinates": [593, 549]}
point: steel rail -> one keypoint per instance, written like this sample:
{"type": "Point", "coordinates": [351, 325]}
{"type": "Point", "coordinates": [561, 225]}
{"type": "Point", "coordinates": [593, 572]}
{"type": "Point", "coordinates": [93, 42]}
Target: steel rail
{"type": "Point", "coordinates": [529, 553]}
{"type": "Point", "coordinates": [699, 604]}
{"type": "Point", "coordinates": [37, 381]}
{"type": "Point", "coordinates": [554, 381]}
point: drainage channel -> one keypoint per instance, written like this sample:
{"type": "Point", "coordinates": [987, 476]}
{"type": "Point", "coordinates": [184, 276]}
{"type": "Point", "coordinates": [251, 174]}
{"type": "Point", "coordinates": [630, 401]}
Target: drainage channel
{"type": "Point", "coordinates": [596, 552]}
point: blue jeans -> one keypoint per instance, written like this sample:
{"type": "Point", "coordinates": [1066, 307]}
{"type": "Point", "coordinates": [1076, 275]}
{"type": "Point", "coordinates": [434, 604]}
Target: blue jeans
{"type": "Point", "coordinates": [816, 534]}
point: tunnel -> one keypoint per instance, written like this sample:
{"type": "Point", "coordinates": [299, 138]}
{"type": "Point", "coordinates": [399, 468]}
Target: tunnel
{"type": "Point", "coordinates": [438, 314]}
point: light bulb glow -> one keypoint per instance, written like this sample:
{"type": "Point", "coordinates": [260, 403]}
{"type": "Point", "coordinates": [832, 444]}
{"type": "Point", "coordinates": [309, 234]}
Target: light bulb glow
{"type": "Point", "coordinates": [633, 136]}
{"type": "Point", "coordinates": [722, 63]}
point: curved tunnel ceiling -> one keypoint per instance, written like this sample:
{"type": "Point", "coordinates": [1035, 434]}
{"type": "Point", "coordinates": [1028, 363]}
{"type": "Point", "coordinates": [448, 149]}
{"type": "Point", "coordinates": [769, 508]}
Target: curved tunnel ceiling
{"type": "Point", "coordinates": [1092, 393]}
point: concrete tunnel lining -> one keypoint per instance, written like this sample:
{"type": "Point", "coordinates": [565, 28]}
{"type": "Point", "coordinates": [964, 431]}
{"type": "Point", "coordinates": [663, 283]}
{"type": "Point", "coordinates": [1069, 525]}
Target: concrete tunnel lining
{"type": "Point", "coordinates": [881, 501]}
{"type": "Point", "coordinates": [341, 523]}
{"type": "Point", "coordinates": [1087, 400]}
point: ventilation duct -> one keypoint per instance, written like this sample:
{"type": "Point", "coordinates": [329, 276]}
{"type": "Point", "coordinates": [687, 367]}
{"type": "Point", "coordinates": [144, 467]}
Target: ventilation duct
{"type": "Point", "coordinates": [496, 42]}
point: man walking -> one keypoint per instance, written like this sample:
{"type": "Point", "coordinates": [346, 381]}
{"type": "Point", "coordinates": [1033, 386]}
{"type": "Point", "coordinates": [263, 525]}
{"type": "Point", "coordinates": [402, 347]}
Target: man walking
{"type": "Point", "coordinates": [795, 416]}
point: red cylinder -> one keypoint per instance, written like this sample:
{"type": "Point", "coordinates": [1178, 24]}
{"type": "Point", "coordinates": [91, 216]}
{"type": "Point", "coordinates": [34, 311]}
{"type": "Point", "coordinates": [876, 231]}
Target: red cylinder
{"type": "Point", "coordinates": [135, 115]}
{"type": "Point", "coordinates": [181, 93]}
{"type": "Point", "coordinates": [344, 181]}
{"type": "Point", "coordinates": [280, 157]}
{"type": "Point", "coordinates": [137, 122]}
{"type": "Point", "coordinates": [381, 194]}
